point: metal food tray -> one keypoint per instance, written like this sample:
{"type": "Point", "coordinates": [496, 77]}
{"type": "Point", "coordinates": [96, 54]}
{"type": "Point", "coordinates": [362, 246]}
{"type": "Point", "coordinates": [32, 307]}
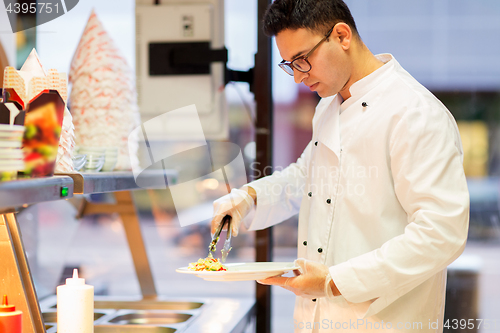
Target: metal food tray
{"type": "Point", "coordinates": [117, 315]}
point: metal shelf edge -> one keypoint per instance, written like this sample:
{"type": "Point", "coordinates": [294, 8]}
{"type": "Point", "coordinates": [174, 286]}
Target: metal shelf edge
{"type": "Point", "coordinates": [21, 192]}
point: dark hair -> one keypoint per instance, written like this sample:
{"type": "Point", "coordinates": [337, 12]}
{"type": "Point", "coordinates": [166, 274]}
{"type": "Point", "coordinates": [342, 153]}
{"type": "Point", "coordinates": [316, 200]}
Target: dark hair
{"type": "Point", "coordinates": [316, 15]}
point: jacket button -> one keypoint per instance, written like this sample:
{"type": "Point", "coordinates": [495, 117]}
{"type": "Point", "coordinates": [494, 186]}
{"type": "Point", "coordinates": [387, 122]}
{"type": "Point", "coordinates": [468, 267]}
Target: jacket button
{"type": "Point", "coordinates": [316, 143]}
{"type": "Point", "coordinates": [364, 104]}
{"type": "Point", "coordinates": [314, 299]}
{"type": "Point", "coordinates": [310, 194]}
{"type": "Point", "coordinates": [328, 201]}
{"type": "Point", "coordinates": [320, 250]}
{"type": "Point", "coordinates": [305, 243]}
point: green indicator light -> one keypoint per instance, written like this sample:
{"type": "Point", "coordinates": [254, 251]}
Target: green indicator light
{"type": "Point", "coordinates": [64, 191]}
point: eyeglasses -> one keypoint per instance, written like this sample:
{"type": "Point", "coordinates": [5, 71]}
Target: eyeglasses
{"type": "Point", "coordinates": [301, 63]}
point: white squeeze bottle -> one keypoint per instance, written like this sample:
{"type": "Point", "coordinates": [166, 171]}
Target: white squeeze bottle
{"type": "Point", "coordinates": [75, 306]}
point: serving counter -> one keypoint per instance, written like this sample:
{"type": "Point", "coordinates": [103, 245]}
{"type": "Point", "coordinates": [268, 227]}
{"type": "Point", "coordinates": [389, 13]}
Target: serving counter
{"type": "Point", "coordinates": [15, 277]}
{"type": "Point", "coordinates": [23, 192]}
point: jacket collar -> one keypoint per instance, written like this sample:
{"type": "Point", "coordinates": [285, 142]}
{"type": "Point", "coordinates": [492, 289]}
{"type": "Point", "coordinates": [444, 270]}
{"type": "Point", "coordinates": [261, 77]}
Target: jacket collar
{"type": "Point", "coordinates": [361, 87]}
{"type": "Point", "coordinates": [328, 120]}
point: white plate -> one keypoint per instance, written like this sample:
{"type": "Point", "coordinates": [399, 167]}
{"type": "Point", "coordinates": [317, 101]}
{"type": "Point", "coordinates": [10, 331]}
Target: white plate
{"type": "Point", "coordinates": [11, 169]}
{"type": "Point", "coordinates": [13, 128]}
{"type": "Point", "coordinates": [243, 271]}
{"type": "Point", "coordinates": [11, 162]}
{"type": "Point", "coordinates": [11, 135]}
{"type": "Point", "coordinates": [11, 144]}
{"type": "Point", "coordinates": [15, 153]}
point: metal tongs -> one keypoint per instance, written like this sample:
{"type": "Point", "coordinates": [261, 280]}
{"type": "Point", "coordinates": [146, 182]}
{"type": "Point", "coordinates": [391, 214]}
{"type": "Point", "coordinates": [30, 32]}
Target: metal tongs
{"type": "Point", "coordinates": [215, 239]}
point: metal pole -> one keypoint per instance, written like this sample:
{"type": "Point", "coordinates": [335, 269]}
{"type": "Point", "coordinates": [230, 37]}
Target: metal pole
{"type": "Point", "coordinates": [16, 277]}
{"type": "Point", "coordinates": [262, 88]}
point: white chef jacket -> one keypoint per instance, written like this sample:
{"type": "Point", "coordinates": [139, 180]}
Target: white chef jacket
{"type": "Point", "coordinates": [382, 201]}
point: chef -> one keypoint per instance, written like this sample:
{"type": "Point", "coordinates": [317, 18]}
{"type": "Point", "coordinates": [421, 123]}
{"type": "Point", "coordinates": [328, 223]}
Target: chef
{"type": "Point", "coordinates": [380, 189]}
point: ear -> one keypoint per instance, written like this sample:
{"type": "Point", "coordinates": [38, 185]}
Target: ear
{"type": "Point", "coordinates": [343, 32]}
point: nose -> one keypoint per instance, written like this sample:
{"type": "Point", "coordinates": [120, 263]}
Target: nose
{"type": "Point", "coordinates": [298, 76]}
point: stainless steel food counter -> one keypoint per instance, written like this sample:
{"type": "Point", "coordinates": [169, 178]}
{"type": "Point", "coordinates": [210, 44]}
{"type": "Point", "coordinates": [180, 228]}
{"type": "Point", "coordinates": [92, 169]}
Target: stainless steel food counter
{"type": "Point", "coordinates": [149, 313]}
{"type": "Point", "coordinates": [162, 314]}
{"type": "Point", "coordinates": [15, 194]}
{"type": "Point", "coordinates": [103, 182]}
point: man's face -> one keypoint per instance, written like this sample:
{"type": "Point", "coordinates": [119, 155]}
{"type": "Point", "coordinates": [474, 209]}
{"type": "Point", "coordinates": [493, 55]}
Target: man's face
{"type": "Point", "coordinates": [330, 62]}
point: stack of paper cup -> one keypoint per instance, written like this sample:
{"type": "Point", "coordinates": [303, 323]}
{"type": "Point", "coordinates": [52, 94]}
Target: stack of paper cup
{"type": "Point", "coordinates": [103, 97]}
{"type": "Point", "coordinates": [11, 154]}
